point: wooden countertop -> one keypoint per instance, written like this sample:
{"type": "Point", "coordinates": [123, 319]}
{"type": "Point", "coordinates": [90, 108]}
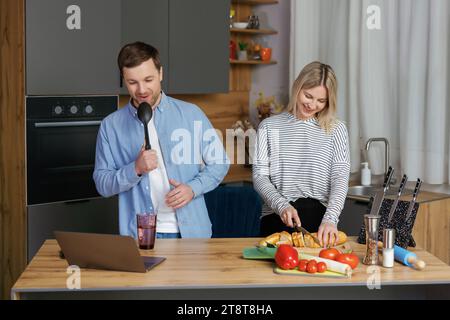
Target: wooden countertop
{"type": "Point", "coordinates": [210, 263]}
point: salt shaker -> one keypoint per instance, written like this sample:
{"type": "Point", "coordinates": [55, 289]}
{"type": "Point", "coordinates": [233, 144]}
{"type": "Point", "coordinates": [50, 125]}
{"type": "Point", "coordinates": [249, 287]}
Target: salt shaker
{"type": "Point", "coordinates": [388, 247]}
{"type": "Point", "coordinates": [371, 222]}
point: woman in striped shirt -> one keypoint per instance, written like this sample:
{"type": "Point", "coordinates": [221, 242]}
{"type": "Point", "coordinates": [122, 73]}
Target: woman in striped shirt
{"type": "Point", "coordinates": [301, 166]}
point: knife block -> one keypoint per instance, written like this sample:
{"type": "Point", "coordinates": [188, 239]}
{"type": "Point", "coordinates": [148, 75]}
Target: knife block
{"type": "Point", "coordinates": [403, 225]}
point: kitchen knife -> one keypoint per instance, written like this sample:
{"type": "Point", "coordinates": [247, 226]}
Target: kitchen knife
{"type": "Point", "coordinates": [304, 231]}
{"type": "Point", "coordinates": [413, 200]}
{"type": "Point", "coordinates": [400, 190]}
{"type": "Point", "coordinates": [379, 196]}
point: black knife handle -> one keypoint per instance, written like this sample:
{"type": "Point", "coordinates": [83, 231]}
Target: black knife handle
{"type": "Point", "coordinates": [417, 188]}
{"type": "Point", "coordinates": [387, 178]}
{"type": "Point", "coordinates": [402, 183]}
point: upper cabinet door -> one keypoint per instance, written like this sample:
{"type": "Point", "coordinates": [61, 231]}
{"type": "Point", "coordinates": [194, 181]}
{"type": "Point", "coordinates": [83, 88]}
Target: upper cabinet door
{"type": "Point", "coordinates": [198, 46]}
{"type": "Point", "coordinates": [72, 46]}
{"type": "Point", "coordinates": [147, 21]}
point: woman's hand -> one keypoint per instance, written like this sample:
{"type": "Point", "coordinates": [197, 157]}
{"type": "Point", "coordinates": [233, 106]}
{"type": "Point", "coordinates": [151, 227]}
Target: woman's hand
{"type": "Point", "coordinates": [288, 215]}
{"type": "Point", "coordinates": [327, 234]}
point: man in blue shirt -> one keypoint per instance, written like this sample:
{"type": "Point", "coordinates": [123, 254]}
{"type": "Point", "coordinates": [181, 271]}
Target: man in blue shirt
{"type": "Point", "coordinates": [187, 158]}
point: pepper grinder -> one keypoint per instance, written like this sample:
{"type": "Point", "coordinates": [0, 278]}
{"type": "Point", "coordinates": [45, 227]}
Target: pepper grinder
{"type": "Point", "coordinates": [371, 223]}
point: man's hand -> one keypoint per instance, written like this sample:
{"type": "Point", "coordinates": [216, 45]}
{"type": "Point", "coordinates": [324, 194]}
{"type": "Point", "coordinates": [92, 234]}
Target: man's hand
{"type": "Point", "coordinates": [288, 215]}
{"type": "Point", "coordinates": [146, 161]}
{"type": "Point", "coordinates": [327, 234]}
{"type": "Point", "coordinates": [180, 196]}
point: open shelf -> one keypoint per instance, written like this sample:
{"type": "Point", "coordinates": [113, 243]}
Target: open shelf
{"type": "Point", "coordinates": [252, 62]}
{"type": "Point", "coordinates": [241, 70]}
{"type": "Point", "coordinates": [254, 2]}
{"type": "Point", "coordinates": [253, 31]}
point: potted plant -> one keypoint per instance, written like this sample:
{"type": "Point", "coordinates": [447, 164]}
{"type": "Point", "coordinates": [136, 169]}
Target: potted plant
{"type": "Point", "coordinates": [242, 54]}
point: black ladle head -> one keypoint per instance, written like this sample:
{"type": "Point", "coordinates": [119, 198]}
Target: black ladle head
{"type": "Point", "coordinates": [145, 114]}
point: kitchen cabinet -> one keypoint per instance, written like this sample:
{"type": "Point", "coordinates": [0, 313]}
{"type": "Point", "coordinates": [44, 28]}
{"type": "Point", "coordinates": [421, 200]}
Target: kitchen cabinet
{"type": "Point", "coordinates": [147, 21]}
{"type": "Point", "coordinates": [198, 46]}
{"type": "Point", "coordinates": [95, 215]}
{"type": "Point", "coordinates": [71, 46]}
{"type": "Point", "coordinates": [431, 228]}
{"type": "Point", "coordinates": [192, 37]}
{"type": "Point", "coordinates": [352, 216]}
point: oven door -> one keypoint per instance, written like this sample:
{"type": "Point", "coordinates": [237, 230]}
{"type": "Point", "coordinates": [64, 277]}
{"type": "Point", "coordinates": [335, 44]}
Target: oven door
{"type": "Point", "coordinates": [60, 160]}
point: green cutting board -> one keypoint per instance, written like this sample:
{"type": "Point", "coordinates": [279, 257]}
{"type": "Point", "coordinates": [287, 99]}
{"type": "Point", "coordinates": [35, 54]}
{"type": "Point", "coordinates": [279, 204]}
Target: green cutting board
{"type": "Point", "coordinates": [295, 272]}
{"type": "Point", "coordinates": [259, 253]}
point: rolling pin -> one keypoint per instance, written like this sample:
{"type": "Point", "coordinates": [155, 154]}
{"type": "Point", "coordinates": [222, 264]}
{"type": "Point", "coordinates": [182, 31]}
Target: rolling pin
{"type": "Point", "coordinates": [406, 257]}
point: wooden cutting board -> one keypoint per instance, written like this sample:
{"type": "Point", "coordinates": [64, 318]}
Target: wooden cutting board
{"type": "Point", "coordinates": [296, 272]}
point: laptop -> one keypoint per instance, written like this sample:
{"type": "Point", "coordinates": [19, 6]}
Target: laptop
{"type": "Point", "coordinates": [104, 251]}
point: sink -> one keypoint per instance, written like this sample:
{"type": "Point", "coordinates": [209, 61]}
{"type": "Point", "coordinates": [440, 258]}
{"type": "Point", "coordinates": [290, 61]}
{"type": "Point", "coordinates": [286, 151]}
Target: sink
{"type": "Point", "coordinates": [363, 191]}
{"type": "Point", "coordinates": [368, 191]}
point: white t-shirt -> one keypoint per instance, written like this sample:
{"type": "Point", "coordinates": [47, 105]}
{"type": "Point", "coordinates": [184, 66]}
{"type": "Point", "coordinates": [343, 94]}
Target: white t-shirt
{"type": "Point", "coordinates": [159, 187]}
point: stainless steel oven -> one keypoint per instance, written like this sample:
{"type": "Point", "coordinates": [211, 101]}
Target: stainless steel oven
{"type": "Point", "coordinates": [61, 135]}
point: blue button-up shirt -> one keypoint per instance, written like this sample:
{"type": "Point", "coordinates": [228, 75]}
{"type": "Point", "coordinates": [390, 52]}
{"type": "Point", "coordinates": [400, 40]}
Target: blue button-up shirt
{"type": "Point", "coordinates": [192, 151]}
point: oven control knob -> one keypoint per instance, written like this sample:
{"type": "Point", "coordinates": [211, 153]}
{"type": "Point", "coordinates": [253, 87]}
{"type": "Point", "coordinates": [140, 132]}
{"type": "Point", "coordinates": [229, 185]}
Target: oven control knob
{"type": "Point", "coordinates": [73, 109]}
{"type": "Point", "coordinates": [58, 110]}
{"type": "Point", "coordinates": [88, 109]}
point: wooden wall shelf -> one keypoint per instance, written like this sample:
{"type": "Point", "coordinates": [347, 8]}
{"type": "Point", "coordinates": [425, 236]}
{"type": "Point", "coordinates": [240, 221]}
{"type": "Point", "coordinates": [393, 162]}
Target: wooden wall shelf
{"type": "Point", "coordinates": [241, 71]}
{"type": "Point", "coordinates": [252, 62]}
{"type": "Point", "coordinates": [254, 2]}
{"type": "Point", "coordinates": [253, 31]}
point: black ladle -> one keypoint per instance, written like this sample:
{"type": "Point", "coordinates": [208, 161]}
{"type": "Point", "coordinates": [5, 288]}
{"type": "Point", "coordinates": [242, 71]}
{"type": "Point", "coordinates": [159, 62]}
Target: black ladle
{"type": "Point", "coordinates": [145, 114]}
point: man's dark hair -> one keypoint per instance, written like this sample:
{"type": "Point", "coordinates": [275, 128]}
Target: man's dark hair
{"type": "Point", "coordinates": [133, 54]}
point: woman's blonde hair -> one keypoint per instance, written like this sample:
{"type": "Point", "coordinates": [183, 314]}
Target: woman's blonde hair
{"type": "Point", "coordinates": [313, 75]}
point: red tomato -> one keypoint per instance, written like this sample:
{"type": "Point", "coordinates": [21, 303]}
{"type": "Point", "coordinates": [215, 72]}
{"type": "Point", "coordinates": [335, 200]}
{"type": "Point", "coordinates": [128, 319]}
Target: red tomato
{"type": "Point", "coordinates": [348, 258]}
{"type": "Point", "coordinates": [312, 261]}
{"type": "Point", "coordinates": [311, 267]}
{"type": "Point", "coordinates": [329, 253]}
{"type": "Point", "coordinates": [286, 257]}
{"type": "Point", "coordinates": [321, 267]}
{"type": "Point", "coordinates": [302, 265]}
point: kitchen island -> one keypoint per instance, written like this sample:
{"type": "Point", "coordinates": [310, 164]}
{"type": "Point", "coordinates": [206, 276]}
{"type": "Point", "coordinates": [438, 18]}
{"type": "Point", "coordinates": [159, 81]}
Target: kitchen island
{"type": "Point", "coordinates": [215, 269]}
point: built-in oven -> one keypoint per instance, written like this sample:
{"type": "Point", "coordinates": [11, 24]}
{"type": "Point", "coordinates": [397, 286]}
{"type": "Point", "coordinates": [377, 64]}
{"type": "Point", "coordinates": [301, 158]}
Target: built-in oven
{"type": "Point", "coordinates": [61, 138]}
{"type": "Point", "coordinates": [61, 134]}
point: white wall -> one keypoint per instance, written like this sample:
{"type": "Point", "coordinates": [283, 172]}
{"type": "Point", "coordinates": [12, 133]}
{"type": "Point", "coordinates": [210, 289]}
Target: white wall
{"type": "Point", "coordinates": [272, 80]}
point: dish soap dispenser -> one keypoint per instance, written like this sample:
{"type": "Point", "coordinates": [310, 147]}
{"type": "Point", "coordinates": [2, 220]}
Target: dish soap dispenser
{"type": "Point", "coordinates": [365, 174]}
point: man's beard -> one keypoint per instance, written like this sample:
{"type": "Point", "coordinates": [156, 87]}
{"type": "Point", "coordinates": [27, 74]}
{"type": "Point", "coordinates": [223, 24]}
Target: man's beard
{"type": "Point", "coordinates": [154, 99]}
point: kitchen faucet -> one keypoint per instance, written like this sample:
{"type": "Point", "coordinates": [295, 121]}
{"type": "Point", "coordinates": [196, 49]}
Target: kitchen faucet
{"type": "Point", "coordinates": [386, 150]}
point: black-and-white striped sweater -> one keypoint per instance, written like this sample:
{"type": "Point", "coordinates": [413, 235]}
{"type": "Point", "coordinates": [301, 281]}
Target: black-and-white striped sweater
{"type": "Point", "coordinates": [297, 158]}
